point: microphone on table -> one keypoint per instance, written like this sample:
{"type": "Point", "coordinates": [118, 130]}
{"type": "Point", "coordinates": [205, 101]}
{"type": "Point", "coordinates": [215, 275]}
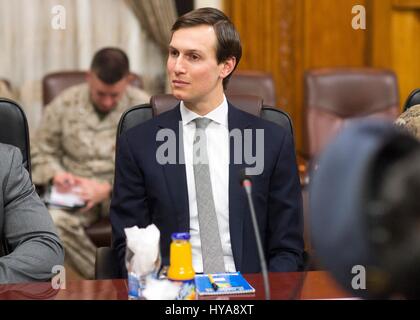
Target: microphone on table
{"type": "Point", "coordinates": [247, 184]}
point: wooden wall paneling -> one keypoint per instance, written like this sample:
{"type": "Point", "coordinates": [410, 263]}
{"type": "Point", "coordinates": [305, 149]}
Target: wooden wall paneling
{"type": "Point", "coordinates": [286, 48]}
{"type": "Point", "coordinates": [405, 48]}
{"type": "Point", "coordinates": [287, 37]}
{"type": "Point", "coordinates": [268, 34]}
{"type": "Point", "coordinates": [330, 40]}
{"type": "Point", "coordinates": [299, 68]}
{"type": "Point", "coordinates": [406, 4]}
{"type": "Point", "coordinates": [379, 33]}
{"type": "Point", "coordinates": [394, 35]}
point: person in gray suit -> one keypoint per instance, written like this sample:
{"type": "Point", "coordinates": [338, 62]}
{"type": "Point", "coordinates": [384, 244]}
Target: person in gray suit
{"type": "Point", "coordinates": [25, 225]}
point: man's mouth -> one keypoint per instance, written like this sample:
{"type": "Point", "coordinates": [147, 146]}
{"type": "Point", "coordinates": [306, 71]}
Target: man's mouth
{"type": "Point", "coordinates": [179, 83]}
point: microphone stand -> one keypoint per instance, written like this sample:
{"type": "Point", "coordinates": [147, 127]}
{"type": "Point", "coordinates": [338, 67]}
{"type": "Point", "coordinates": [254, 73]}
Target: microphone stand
{"type": "Point", "coordinates": [247, 185]}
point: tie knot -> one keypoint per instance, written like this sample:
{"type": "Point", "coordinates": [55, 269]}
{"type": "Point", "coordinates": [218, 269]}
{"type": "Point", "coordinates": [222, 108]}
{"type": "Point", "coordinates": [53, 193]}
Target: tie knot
{"type": "Point", "coordinates": [202, 123]}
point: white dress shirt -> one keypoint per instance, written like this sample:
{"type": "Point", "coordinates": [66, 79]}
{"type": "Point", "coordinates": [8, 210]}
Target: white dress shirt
{"type": "Point", "coordinates": [217, 134]}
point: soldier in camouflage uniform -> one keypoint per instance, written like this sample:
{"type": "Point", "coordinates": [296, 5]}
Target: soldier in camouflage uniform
{"type": "Point", "coordinates": [75, 146]}
{"type": "Point", "coordinates": [410, 120]}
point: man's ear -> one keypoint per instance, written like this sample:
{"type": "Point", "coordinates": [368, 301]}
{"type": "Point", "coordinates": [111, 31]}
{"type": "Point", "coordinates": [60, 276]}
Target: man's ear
{"type": "Point", "coordinates": [129, 77]}
{"type": "Point", "coordinates": [88, 76]}
{"type": "Point", "coordinates": [228, 67]}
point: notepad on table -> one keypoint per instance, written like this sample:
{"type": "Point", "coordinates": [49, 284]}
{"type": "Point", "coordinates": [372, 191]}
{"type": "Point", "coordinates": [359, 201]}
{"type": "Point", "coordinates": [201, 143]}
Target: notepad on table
{"type": "Point", "coordinates": [67, 200]}
{"type": "Point", "coordinates": [227, 283]}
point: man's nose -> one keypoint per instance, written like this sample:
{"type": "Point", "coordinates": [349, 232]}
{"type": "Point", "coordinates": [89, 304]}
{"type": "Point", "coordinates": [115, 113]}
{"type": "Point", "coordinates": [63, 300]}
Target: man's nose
{"type": "Point", "coordinates": [108, 102]}
{"type": "Point", "coordinates": [179, 66]}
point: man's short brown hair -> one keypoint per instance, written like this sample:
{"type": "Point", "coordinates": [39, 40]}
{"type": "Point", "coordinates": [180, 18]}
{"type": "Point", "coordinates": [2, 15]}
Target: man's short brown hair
{"type": "Point", "coordinates": [228, 41]}
{"type": "Point", "coordinates": [110, 65]}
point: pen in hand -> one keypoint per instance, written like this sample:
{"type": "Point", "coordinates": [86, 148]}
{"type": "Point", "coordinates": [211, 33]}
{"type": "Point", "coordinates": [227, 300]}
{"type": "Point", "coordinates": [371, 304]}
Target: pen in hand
{"type": "Point", "coordinates": [213, 283]}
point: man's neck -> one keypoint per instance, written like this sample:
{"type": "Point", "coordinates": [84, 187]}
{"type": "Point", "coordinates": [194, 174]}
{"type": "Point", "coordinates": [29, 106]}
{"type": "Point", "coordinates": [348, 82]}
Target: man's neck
{"type": "Point", "coordinates": [101, 114]}
{"type": "Point", "coordinates": [204, 107]}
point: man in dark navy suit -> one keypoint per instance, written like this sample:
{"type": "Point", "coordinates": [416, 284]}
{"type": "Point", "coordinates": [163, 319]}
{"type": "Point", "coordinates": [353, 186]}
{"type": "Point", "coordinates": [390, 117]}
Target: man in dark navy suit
{"type": "Point", "coordinates": [181, 170]}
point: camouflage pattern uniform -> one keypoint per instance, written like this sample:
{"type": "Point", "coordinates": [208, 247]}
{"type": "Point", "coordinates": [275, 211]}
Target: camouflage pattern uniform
{"type": "Point", "coordinates": [72, 137]}
{"type": "Point", "coordinates": [410, 120]}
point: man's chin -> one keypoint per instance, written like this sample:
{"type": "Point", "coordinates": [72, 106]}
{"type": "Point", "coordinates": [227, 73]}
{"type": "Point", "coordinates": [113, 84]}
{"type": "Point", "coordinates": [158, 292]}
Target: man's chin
{"type": "Point", "coordinates": [103, 110]}
{"type": "Point", "coordinates": [179, 95]}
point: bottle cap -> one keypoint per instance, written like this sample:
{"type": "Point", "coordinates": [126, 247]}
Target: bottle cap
{"type": "Point", "coordinates": [180, 236]}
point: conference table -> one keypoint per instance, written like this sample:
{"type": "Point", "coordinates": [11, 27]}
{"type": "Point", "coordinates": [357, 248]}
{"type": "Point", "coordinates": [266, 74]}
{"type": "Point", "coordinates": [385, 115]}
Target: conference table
{"type": "Point", "coordinates": [283, 286]}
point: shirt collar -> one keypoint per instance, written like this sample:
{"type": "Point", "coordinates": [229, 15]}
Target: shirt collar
{"type": "Point", "coordinates": [218, 115]}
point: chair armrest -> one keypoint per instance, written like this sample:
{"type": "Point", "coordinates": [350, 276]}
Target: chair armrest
{"type": "Point", "coordinates": [106, 264]}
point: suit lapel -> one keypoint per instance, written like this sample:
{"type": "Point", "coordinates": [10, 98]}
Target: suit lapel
{"type": "Point", "coordinates": [175, 174]}
{"type": "Point", "coordinates": [238, 204]}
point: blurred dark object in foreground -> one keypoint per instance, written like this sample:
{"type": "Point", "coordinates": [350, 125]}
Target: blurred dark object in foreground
{"type": "Point", "coordinates": [365, 210]}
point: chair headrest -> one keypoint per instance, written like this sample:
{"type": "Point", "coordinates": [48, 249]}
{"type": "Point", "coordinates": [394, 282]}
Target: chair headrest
{"type": "Point", "coordinates": [252, 104]}
{"type": "Point", "coordinates": [248, 103]}
{"type": "Point", "coordinates": [350, 92]}
{"type": "Point", "coordinates": [14, 129]}
{"type": "Point", "coordinates": [54, 83]}
{"type": "Point", "coordinates": [162, 102]}
{"type": "Point", "coordinates": [259, 83]}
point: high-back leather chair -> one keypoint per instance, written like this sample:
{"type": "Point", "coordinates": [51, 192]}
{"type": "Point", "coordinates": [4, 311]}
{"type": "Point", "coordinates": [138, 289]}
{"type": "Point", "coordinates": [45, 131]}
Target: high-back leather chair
{"type": "Point", "coordinates": [14, 130]}
{"type": "Point", "coordinates": [106, 265]}
{"type": "Point", "coordinates": [413, 99]}
{"type": "Point", "coordinates": [257, 83]}
{"type": "Point", "coordinates": [335, 96]}
{"type": "Point", "coordinates": [54, 83]}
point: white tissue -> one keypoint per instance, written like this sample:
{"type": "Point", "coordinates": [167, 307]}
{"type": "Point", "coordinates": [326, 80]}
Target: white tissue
{"type": "Point", "coordinates": [144, 243]}
{"type": "Point", "coordinates": [161, 289]}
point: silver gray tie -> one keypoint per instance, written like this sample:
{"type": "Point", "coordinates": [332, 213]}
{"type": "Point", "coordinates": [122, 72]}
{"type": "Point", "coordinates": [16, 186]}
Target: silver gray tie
{"type": "Point", "coordinates": [211, 245]}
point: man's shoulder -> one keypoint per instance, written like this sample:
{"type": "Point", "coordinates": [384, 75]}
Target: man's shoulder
{"type": "Point", "coordinates": [8, 154]}
{"type": "Point", "coordinates": [78, 89]}
{"type": "Point", "coordinates": [412, 115]}
{"type": "Point", "coordinates": [136, 95]}
{"type": "Point", "coordinates": [410, 120]}
{"type": "Point", "coordinates": [7, 150]}
{"type": "Point", "coordinates": [72, 95]}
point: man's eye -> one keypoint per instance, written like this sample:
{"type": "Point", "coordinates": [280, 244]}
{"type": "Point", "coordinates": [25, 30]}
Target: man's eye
{"type": "Point", "coordinates": [173, 53]}
{"type": "Point", "coordinates": [194, 57]}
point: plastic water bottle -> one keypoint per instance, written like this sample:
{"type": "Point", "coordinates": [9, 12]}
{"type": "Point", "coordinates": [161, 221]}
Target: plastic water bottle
{"type": "Point", "coordinates": [137, 282]}
{"type": "Point", "coordinates": [180, 268]}
{"type": "Point", "coordinates": [133, 278]}
{"type": "Point", "coordinates": [134, 289]}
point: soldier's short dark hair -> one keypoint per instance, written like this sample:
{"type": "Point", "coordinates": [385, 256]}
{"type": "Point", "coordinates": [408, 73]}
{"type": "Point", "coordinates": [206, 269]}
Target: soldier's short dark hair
{"type": "Point", "coordinates": [110, 65]}
{"type": "Point", "coordinates": [228, 41]}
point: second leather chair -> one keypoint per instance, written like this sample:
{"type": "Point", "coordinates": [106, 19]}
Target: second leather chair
{"type": "Point", "coordinates": [335, 96]}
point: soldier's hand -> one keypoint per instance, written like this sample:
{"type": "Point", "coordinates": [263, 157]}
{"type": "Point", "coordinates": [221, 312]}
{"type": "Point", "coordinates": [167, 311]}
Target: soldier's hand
{"type": "Point", "coordinates": [64, 181]}
{"type": "Point", "coordinates": [92, 192]}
